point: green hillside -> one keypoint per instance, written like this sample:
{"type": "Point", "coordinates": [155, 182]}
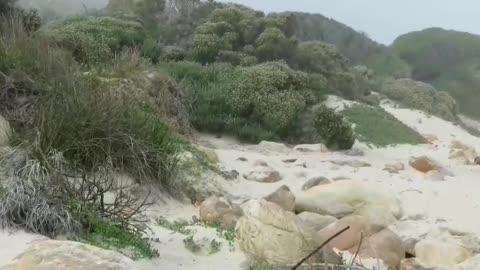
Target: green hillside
{"type": "Point", "coordinates": [449, 60]}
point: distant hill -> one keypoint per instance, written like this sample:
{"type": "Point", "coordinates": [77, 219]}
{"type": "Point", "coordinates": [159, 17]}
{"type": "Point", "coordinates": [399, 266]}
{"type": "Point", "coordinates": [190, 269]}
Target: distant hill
{"type": "Point", "coordinates": [356, 46]}
{"type": "Point", "coordinates": [449, 60]}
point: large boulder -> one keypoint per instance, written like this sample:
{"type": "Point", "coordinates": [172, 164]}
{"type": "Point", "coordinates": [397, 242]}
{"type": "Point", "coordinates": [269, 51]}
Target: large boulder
{"type": "Point", "coordinates": [316, 222]}
{"type": "Point", "coordinates": [342, 198]}
{"type": "Point", "coordinates": [67, 255]}
{"type": "Point", "coordinates": [440, 249]}
{"type": "Point", "coordinates": [266, 175]}
{"type": "Point", "coordinates": [269, 233]}
{"type": "Point", "coordinates": [385, 246]}
{"type": "Point", "coordinates": [471, 264]}
{"type": "Point", "coordinates": [376, 215]}
{"type": "Point", "coordinates": [5, 132]}
{"type": "Point", "coordinates": [283, 197]}
{"type": "Point", "coordinates": [269, 147]}
{"type": "Point", "coordinates": [358, 226]}
{"type": "Point", "coordinates": [219, 210]}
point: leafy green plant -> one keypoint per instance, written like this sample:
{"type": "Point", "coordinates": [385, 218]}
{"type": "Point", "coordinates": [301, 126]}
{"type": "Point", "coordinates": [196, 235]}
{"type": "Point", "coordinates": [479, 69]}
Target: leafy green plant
{"type": "Point", "coordinates": [175, 226]}
{"type": "Point", "coordinates": [109, 235]}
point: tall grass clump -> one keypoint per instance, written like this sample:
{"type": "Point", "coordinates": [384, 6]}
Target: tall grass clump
{"type": "Point", "coordinates": [73, 133]}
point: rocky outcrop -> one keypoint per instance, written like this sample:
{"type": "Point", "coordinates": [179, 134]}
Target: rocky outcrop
{"type": "Point", "coordinates": [283, 197]}
{"type": "Point", "coordinates": [67, 255]}
{"type": "Point", "coordinates": [219, 210]}
{"type": "Point", "coordinates": [266, 175]}
{"type": "Point", "coordinates": [269, 233]}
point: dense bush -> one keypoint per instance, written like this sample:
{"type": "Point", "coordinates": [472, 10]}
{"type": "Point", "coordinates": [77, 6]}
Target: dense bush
{"type": "Point", "coordinates": [94, 40]}
{"type": "Point", "coordinates": [421, 96]}
{"type": "Point", "coordinates": [336, 133]}
{"type": "Point", "coordinates": [74, 133]}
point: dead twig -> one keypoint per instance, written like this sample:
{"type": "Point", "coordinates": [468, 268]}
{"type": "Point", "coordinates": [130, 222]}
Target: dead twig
{"type": "Point", "coordinates": [319, 248]}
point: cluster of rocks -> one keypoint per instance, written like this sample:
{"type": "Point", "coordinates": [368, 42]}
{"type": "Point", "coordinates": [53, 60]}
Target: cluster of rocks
{"type": "Point", "coordinates": [282, 229]}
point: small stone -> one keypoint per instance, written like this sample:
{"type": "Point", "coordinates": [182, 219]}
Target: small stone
{"type": "Point", "coordinates": [315, 182]}
{"type": "Point", "coordinates": [309, 148]}
{"type": "Point", "coordinates": [242, 159]}
{"type": "Point", "coordinates": [267, 176]}
{"type": "Point", "coordinates": [394, 167]}
{"type": "Point", "coordinates": [291, 160]}
{"type": "Point", "coordinates": [219, 209]}
{"type": "Point", "coordinates": [260, 163]}
{"type": "Point", "coordinates": [352, 163]}
{"type": "Point", "coordinates": [423, 164]}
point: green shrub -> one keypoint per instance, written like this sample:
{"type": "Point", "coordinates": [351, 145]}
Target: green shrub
{"type": "Point", "coordinates": [333, 129]}
{"type": "Point", "coordinates": [109, 235]}
{"type": "Point", "coordinates": [268, 94]}
{"type": "Point", "coordinates": [421, 96]}
{"type": "Point", "coordinates": [377, 126]}
{"type": "Point", "coordinates": [94, 40]}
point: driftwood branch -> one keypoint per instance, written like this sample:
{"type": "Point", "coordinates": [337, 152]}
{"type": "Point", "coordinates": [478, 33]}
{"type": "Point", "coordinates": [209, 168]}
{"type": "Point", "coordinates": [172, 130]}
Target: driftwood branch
{"type": "Point", "coordinates": [321, 246]}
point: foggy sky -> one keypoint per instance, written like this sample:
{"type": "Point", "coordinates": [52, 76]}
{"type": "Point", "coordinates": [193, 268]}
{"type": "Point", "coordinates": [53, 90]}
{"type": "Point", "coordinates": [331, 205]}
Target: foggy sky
{"type": "Point", "coordinates": [384, 20]}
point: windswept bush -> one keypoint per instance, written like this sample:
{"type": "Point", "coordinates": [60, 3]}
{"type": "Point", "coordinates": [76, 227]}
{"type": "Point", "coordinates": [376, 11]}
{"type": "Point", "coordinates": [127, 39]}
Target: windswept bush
{"type": "Point", "coordinates": [94, 40]}
{"type": "Point", "coordinates": [422, 96]}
